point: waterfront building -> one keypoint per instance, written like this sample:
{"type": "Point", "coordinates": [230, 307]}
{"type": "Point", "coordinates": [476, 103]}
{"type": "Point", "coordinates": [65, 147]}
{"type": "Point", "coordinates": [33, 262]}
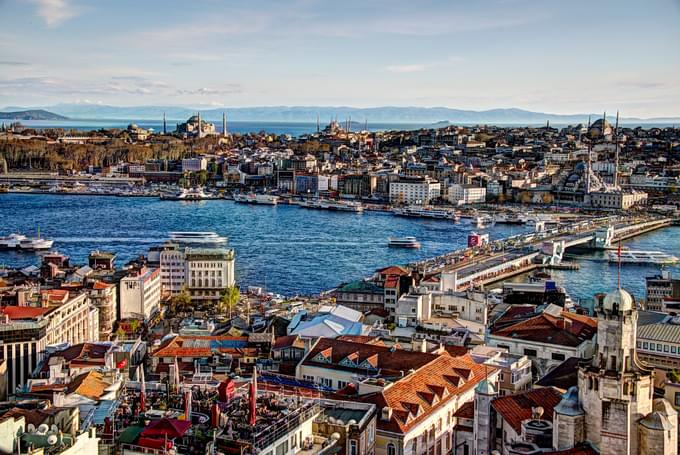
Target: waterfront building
{"type": "Point", "coordinates": [172, 263]}
{"type": "Point", "coordinates": [617, 199]}
{"type": "Point", "coordinates": [360, 295]}
{"type": "Point", "coordinates": [140, 294]}
{"type": "Point", "coordinates": [209, 271]}
{"type": "Point", "coordinates": [194, 164]}
{"type": "Point", "coordinates": [663, 292]}
{"type": "Point", "coordinates": [102, 260]}
{"type": "Point", "coordinates": [414, 190]}
{"type": "Point", "coordinates": [460, 194]}
{"type": "Point", "coordinates": [658, 343]}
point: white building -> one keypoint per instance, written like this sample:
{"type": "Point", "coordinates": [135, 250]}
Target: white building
{"type": "Point", "coordinates": [414, 307]}
{"type": "Point", "coordinates": [173, 270]}
{"type": "Point", "coordinates": [414, 190]}
{"type": "Point", "coordinates": [466, 194]}
{"type": "Point", "coordinates": [209, 272]}
{"type": "Point", "coordinates": [194, 164]}
{"type": "Point", "coordinates": [140, 295]}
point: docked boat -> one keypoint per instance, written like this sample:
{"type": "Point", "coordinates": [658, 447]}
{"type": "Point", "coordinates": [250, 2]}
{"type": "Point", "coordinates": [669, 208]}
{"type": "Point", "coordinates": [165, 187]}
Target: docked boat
{"type": "Point", "coordinates": [424, 212]}
{"type": "Point", "coordinates": [403, 242]}
{"type": "Point", "coordinates": [191, 194]}
{"type": "Point", "coordinates": [642, 257]}
{"type": "Point", "coordinates": [325, 204]}
{"type": "Point", "coordinates": [21, 242]}
{"type": "Point", "coordinates": [252, 198]}
{"type": "Point", "coordinates": [197, 238]}
{"type": "Point", "coordinates": [483, 221]}
{"type": "Point", "coordinates": [507, 218]}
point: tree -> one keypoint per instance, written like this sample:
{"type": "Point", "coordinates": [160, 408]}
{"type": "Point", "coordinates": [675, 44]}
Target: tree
{"type": "Point", "coordinates": [229, 298]}
{"type": "Point", "coordinates": [181, 303]}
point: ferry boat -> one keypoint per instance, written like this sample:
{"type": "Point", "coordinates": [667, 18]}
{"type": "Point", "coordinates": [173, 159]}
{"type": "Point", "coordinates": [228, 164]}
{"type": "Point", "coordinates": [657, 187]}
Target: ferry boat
{"type": "Point", "coordinates": [403, 242]}
{"type": "Point", "coordinates": [197, 238]}
{"type": "Point", "coordinates": [192, 194]}
{"type": "Point", "coordinates": [483, 221]}
{"type": "Point", "coordinates": [252, 198]}
{"type": "Point", "coordinates": [323, 204]}
{"type": "Point", "coordinates": [423, 212]}
{"type": "Point", "coordinates": [507, 218]}
{"type": "Point", "coordinates": [21, 242]}
{"type": "Point", "coordinates": [642, 257]}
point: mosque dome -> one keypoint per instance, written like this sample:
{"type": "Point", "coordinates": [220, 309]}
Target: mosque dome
{"type": "Point", "coordinates": [569, 404]}
{"type": "Point", "coordinates": [193, 119]}
{"type": "Point", "coordinates": [619, 299]}
{"type": "Point", "coordinates": [601, 127]}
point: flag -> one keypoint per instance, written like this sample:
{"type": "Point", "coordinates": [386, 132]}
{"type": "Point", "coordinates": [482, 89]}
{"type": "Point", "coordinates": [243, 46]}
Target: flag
{"type": "Point", "coordinates": [187, 405]}
{"type": "Point", "coordinates": [253, 399]}
{"type": "Point", "coordinates": [142, 389]}
{"type": "Point", "coordinates": [175, 379]}
{"type": "Point", "coordinates": [120, 365]}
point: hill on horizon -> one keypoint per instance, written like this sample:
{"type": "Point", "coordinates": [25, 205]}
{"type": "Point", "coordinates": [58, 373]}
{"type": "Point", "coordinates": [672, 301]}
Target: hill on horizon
{"type": "Point", "coordinates": [31, 114]}
{"type": "Point", "coordinates": [382, 114]}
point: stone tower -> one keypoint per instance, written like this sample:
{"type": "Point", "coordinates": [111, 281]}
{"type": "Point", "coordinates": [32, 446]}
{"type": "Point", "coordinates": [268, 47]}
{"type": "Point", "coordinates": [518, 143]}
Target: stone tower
{"type": "Point", "coordinates": [615, 389]}
{"type": "Point", "coordinates": [484, 428]}
{"type": "Point", "coordinates": [568, 421]}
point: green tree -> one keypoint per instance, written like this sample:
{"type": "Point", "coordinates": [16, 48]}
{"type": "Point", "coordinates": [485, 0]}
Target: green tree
{"type": "Point", "coordinates": [229, 298]}
{"type": "Point", "coordinates": [181, 303]}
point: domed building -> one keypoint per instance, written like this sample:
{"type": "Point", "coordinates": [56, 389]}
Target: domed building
{"type": "Point", "coordinates": [191, 127]}
{"type": "Point", "coordinates": [601, 129]}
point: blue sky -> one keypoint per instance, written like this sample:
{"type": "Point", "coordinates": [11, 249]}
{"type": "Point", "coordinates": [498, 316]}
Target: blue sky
{"type": "Point", "coordinates": [544, 55]}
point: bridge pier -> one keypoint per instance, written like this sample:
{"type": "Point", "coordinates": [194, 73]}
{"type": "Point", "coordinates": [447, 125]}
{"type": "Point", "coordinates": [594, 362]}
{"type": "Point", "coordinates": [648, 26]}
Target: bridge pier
{"type": "Point", "coordinates": [554, 249]}
{"type": "Point", "coordinates": [603, 238]}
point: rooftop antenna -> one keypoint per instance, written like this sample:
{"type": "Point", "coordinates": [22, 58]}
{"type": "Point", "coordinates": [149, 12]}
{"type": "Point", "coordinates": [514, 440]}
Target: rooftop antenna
{"type": "Point", "coordinates": [616, 152]}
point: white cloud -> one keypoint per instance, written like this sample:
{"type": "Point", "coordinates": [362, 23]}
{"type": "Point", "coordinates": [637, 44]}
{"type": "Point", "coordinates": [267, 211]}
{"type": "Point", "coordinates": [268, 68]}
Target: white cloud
{"type": "Point", "coordinates": [414, 68]}
{"type": "Point", "coordinates": [55, 12]}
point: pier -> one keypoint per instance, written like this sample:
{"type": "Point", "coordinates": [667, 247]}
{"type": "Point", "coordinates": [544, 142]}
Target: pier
{"type": "Point", "coordinates": [502, 259]}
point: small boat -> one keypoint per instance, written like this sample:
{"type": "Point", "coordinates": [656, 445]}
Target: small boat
{"type": "Point", "coordinates": [252, 198]}
{"type": "Point", "coordinates": [483, 221]}
{"type": "Point", "coordinates": [403, 242]}
{"type": "Point", "coordinates": [642, 257]}
{"type": "Point", "coordinates": [197, 238]}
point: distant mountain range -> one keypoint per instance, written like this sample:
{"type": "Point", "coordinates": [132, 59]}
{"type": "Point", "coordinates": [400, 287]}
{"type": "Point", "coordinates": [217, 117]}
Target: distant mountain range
{"type": "Point", "coordinates": [384, 114]}
{"type": "Point", "coordinates": [33, 114]}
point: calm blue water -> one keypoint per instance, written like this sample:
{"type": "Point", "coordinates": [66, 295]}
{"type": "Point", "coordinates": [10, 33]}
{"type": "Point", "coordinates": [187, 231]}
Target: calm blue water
{"type": "Point", "coordinates": [242, 127]}
{"type": "Point", "coordinates": [288, 249]}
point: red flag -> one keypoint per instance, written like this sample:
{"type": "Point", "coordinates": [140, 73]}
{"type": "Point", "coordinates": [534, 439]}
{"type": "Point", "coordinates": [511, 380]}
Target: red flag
{"type": "Point", "coordinates": [253, 399]}
{"type": "Point", "coordinates": [120, 365]}
{"type": "Point", "coordinates": [187, 405]}
{"type": "Point", "coordinates": [142, 392]}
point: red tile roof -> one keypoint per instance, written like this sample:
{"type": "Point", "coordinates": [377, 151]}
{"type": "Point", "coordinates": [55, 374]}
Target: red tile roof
{"type": "Point", "coordinates": [286, 342]}
{"type": "Point", "coordinates": [393, 270]}
{"type": "Point", "coordinates": [414, 397]}
{"type": "Point", "coordinates": [467, 411]}
{"type": "Point", "coordinates": [24, 312]}
{"type": "Point", "coordinates": [365, 339]}
{"type": "Point", "coordinates": [391, 281]}
{"type": "Point", "coordinates": [568, 330]}
{"type": "Point", "coordinates": [517, 408]}
{"type": "Point", "coordinates": [389, 361]}
{"type": "Point", "coordinates": [175, 347]}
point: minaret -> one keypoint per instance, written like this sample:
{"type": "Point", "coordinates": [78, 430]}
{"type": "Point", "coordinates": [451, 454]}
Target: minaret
{"type": "Point", "coordinates": [224, 124]}
{"type": "Point", "coordinates": [165, 130]}
{"type": "Point", "coordinates": [200, 126]}
{"type": "Point", "coordinates": [616, 152]}
{"type": "Point", "coordinates": [318, 126]}
{"type": "Point", "coordinates": [483, 433]}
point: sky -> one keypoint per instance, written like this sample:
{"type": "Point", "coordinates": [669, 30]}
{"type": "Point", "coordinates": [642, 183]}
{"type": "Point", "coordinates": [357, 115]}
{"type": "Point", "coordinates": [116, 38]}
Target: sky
{"type": "Point", "coordinates": [551, 56]}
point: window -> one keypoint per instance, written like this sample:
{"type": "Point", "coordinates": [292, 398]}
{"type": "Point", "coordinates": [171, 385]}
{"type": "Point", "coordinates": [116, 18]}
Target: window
{"type": "Point", "coordinates": [530, 352]}
{"type": "Point", "coordinates": [308, 378]}
{"type": "Point", "coordinates": [673, 350]}
{"type": "Point", "coordinates": [282, 449]}
{"type": "Point", "coordinates": [342, 384]}
{"type": "Point", "coordinates": [677, 398]}
{"type": "Point", "coordinates": [557, 356]}
{"type": "Point", "coordinates": [391, 450]}
{"type": "Point", "coordinates": [665, 348]}
{"type": "Point", "coordinates": [293, 441]}
{"type": "Point", "coordinates": [352, 447]}
{"type": "Point", "coordinates": [326, 382]}
{"type": "Point", "coordinates": [644, 345]}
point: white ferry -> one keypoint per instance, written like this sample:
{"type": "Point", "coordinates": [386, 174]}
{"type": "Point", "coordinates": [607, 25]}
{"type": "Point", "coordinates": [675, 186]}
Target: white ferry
{"type": "Point", "coordinates": [252, 198]}
{"type": "Point", "coordinates": [483, 221]}
{"type": "Point", "coordinates": [423, 212]}
{"type": "Point", "coordinates": [192, 194]}
{"type": "Point", "coordinates": [324, 204]}
{"type": "Point", "coordinates": [403, 242]}
{"type": "Point", "coordinates": [507, 218]}
{"type": "Point", "coordinates": [197, 238]}
{"type": "Point", "coordinates": [21, 242]}
{"type": "Point", "coordinates": [642, 257]}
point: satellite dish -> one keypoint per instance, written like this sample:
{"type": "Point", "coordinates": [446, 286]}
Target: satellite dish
{"type": "Point", "coordinates": [30, 428]}
{"type": "Point", "coordinates": [43, 429]}
{"type": "Point", "coordinates": [54, 428]}
{"type": "Point", "coordinates": [52, 439]}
